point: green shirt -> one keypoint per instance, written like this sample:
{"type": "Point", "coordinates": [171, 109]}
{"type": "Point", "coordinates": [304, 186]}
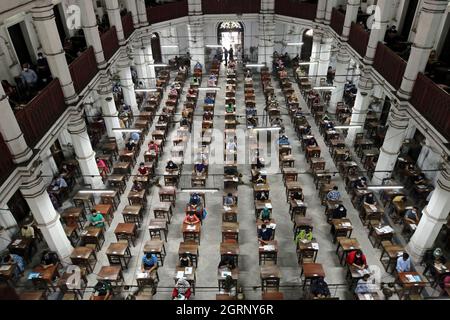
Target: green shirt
{"type": "Point", "coordinates": [265, 215]}
{"type": "Point", "coordinates": [229, 108]}
{"type": "Point", "coordinates": [96, 218]}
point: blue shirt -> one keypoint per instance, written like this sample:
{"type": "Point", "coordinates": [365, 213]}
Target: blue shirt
{"type": "Point", "coordinates": [283, 141]}
{"type": "Point", "coordinates": [209, 100]}
{"type": "Point", "coordinates": [403, 265]}
{"type": "Point", "coordinates": [149, 263]}
{"type": "Point", "coordinates": [265, 235]}
{"type": "Point", "coordinates": [411, 215]}
{"type": "Point", "coordinates": [334, 195]}
{"type": "Point", "coordinates": [135, 136]}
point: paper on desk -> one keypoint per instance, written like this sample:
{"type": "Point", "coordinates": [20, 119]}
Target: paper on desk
{"type": "Point", "coordinates": [373, 207]}
{"type": "Point", "coordinates": [190, 227]}
{"type": "Point", "coordinates": [368, 296]}
{"type": "Point", "coordinates": [272, 225]}
{"type": "Point", "coordinates": [180, 274]}
{"type": "Point", "coordinates": [413, 226]}
{"type": "Point", "coordinates": [225, 274]}
{"type": "Point", "coordinates": [410, 278]}
{"type": "Point", "coordinates": [299, 203]}
{"type": "Point", "coordinates": [188, 270]}
{"type": "Point", "coordinates": [363, 272]}
{"type": "Point", "coordinates": [268, 205]}
{"type": "Point", "coordinates": [16, 242]}
{"type": "Point", "coordinates": [315, 245]}
{"type": "Point", "coordinates": [141, 275]}
{"type": "Point", "coordinates": [346, 224]}
{"type": "Point", "coordinates": [269, 247]}
{"type": "Point", "coordinates": [4, 268]}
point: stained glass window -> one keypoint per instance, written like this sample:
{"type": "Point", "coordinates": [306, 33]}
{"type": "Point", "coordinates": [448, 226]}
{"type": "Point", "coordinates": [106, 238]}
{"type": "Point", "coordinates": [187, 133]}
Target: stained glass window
{"type": "Point", "coordinates": [227, 25]}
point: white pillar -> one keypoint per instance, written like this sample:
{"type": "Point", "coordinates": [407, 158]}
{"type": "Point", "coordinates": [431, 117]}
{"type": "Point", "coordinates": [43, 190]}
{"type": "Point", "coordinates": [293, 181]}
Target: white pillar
{"type": "Point", "coordinates": [351, 14]}
{"type": "Point", "coordinates": [11, 132]}
{"type": "Point", "coordinates": [149, 62]}
{"type": "Point", "coordinates": [132, 7]}
{"type": "Point", "coordinates": [49, 167]}
{"type": "Point", "coordinates": [324, 59]}
{"type": "Point", "coordinates": [139, 62]}
{"type": "Point", "coordinates": [90, 28]}
{"type": "Point", "coordinates": [434, 215]}
{"type": "Point", "coordinates": [321, 9]}
{"type": "Point", "coordinates": [382, 17]}
{"type": "Point", "coordinates": [109, 112]}
{"type": "Point", "coordinates": [359, 112]}
{"type": "Point", "coordinates": [395, 135]}
{"type": "Point", "coordinates": [126, 82]}
{"type": "Point", "coordinates": [429, 22]}
{"type": "Point", "coordinates": [44, 20]}
{"type": "Point", "coordinates": [142, 13]}
{"type": "Point", "coordinates": [112, 6]}
{"type": "Point", "coordinates": [35, 193]}
{"type": "Point", "coordinates": [169, 44]}
{"type": "Point", "coordinates": [342, 63]}
{"type": "Point", "coordinates": [293, 34]}
{"type": "Point", "coordinates": [266, 39]}
{"type": "Point", "coordinates": [196, 44]}
{"type": "Point", "coordinates": [315, 54]}
{"type": "Point", "coordinates": [8, 222]}
{"type": "Point", "coordinates": [85, 154]}
{"type": "Point", "coordinates": [329, 9]}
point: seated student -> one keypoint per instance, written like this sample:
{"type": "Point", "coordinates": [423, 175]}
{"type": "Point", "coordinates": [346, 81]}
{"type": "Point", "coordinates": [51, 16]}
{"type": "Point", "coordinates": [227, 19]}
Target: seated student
{"type": "Point", "coordinates": [419, 179]}
{"type": "Point", "coordinates": [149, 264]}
{"type": "Point", "coordinates": [259, 162]}
{"type": "Point", "coordinates": [195, 81]}
{"type": "Point", "coordinates": [195, 200]}
{"type": "Point", "coordinates": [182, 290]}
{"type": "Point", "coordinates": [208, 116]}
{"type": "Point", "coordinates": [298, 196]}
{"type": "Point", "coordinates": [229, 108]}
{"type": "Point", "coordinates": [184, 122]}
{"type": "Point", "coordinates": [339, 213]}
{"type": "Point", "coordinates": [171, 166]}
{"type": "Point", "coordinates": [369, 199]}
{"type": "Point", "coordinates": [27, 231]}
{"type": "Point", "coordinates": [262, 195]}
{"type": "Point", "coordinates": [231, 145]}
{"type": "Point", "coordinates": [265, 234]}
{"type": "Point", "coordinates": [153, 147]}
{"type": "Point", "coordinates": [312, 142]}
{"type": "Point", "coordinates": [135, 136]}
{"type": "Point", "coordinates": [59, 183]}
{"type": "Point", "coordinates": [143, 170]}
{"type": "Point", "coordinates": [130, 145]}
{"type": "Point", "coordinates": [227, 262]}
{"type": "Point", "coordinates": [399, 200]}
{"type": "Point", "coordinates": [412, 215]}
{"type": "Point", "coordinates": [102, 167]}
{"type": "Point", "coordinates": [200, 168]}
{"type": "Point", "coordinates": [357, 259]}
{"type": "Point", "coordinates": [403, 263]}
{"type": "Point", "coordinates": [102, 289]}
{"type": "Point", "coordinates": [185, 260]}
{"type": "Point", "coordinates": [283, 140]}
{"type": "Point", "coordinates": [363, 284]}
{"type": "Point", "coordinates": [319, 288]}
{"type": "Point", "coordinates": [49, 259]}
{"type": "Point", "coordinates": [191, 91]}
{"type": "Point", "coordinates": [198, 65]}
{"type": "Point", "coordinates": [308, 132]}
{"type": "Point", "coordinates": [361, 183]}
{"type": "Point", "coordinates": [252, 121]}
{"type": "Point", "coordinates": [329, 125]}
{"type": "Point", "coordinates": [304, 235]}
{"type": "Point", "coordinates": [97, 220]}
{"type": "Point", "coordinates": [173, 91]}
{"type": "Point", "coordinates": [18, 261]}
{"type": "Point", "coordinates": [191, 218]}
{"type": "Point", "coordinates": [229, 200]}
{"type": "Point", "coordinates": [334, 195]}
{"type": "Point", "coordinates": [260, 179]}
{"type": "Point", "coordinates": [265, 213]}
{"type": "Point", "coordinates": [137, 186]}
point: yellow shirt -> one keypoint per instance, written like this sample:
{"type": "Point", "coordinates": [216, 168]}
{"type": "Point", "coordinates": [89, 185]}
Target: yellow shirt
{"type": "Point", "coordinates": [27, 233]}
{"type": "Point", "coordinates": [397, 199]}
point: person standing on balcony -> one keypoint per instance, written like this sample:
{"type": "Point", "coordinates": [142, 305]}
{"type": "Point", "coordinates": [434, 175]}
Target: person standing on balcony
{"type": "Point", "coordinates": [43, 69]}
{"type": "Point", "coordinates": [29, 78]}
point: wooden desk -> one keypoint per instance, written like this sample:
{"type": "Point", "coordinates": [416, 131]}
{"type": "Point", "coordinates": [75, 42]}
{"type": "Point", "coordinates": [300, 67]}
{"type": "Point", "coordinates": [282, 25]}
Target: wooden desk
{"type": "Point", "coordinates": [301, 223]}
{"type": "Point", "coordinates": [126, 231]}
{"type": "Point", "coordinates": [378, 234]}
{"type": "Point", "coordinates": [167, 194]}
{"type": "Point", "coordinates": [20, 246]}
{"type": "Point", "coordinates": [46, 277]}
{"type": "Point", "coordinates": [270, 277]}
{"type": "Point", "coordinates": [191, 249]}
{"type": "Point", "coordinates": [221, 278]}
{"type": "Point", "coordinates": [137, 198]}
{"type": "Point", "coordinates": [268, 252]}
{"type": "Point", "coordinates": [341, 228]}
{"type": "Point", "coordinates": [118, 182]}
{"type": "Point", "coordinates": [157, 248]}
{"type": "Point", "coordinates": [191, 232]}
{"type": "Point", "coordinates": [93, 236]}
{"type": "Point", "coordinates": [292, 187]}
{"type": "Point", "coordinates": [119, 254]}
{"type": "Point", "coordinates": [346, 245]}
{"type": "Point", "coordinates": [390, 254]}
{"type": "Point", "coordinates": [311, 271]}
{"type": "Point", "coordinates": [230, 230]}
{"type": "Point", "coordinates": [163, 211]}
{"type": "Point", "coordinates": [189, 277]}
{"type": "Point", "coordinates": [106, 210]}
{"type": "Point", "coordinates": [133, 214]}
{"type": "Point", "coordinates": [73, 216]}
{"type": "Point", "coordinates": [230, 249]}
{"type": "Point", "coordinates": [156, 226]}
{"type": "Point", "coordinates": [122, 168]}
{"type": "Point", "coordinates": [297, 207]}
{"type": "Point", "coordinates": [272, 296]}
{"type": "Point", "coordinates": [32, 295]}
{"type": "Point", "coordinates": [84, 257]}
{"type": "Point", "coordinates": [289, 174]}
{"type": "Point", "coordinates": [111, 274]}
{"type": "Point", "coordinates": [307, 251]}
{"type": "Point", "coordinates": [409, 287]}
{"type": "Point", "coordinates": [367, 213]}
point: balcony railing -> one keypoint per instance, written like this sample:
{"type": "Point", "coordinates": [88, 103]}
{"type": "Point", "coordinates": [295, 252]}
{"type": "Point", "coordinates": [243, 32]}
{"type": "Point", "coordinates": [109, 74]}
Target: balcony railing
{"type": "Point", "coordinates": [231, 6]}
{"type": "Point", "coordinates": [83, 69]}
{"type": "Point", "coordinates": [293, 8]}
{"type": "Point", "coordinates": [433, 103]}
{"type": "Point", "coordinates": [358, 39]}
{"type": "Point", "coordinates": [389, 65]}
{"type": "Point", "coordinates": [110, 43]}
{"type": "Point", "coordinates": [6, 163]}
{"type": "Point", "coordinates": [127, 25]}
{"type": "Point", "coordinates": [38, 116]}
{"type": "Point", "coordinates": [337, 21]}
{"type": "Point", "coordinates": [167, 11]}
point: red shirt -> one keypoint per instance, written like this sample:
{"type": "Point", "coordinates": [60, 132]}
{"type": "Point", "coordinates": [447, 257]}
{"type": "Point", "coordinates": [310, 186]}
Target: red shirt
{"type": "Point", "coordinates": [143, 171]}
{"type": "Point", "coordinates": [351, 257]}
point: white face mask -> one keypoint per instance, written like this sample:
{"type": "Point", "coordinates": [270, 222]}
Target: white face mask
{"type": "Point", "coordinates": [25, 69]}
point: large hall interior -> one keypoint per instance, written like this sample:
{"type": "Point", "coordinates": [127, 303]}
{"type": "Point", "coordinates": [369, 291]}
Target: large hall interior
{"type": "Point", "coordinates": [224, 150]}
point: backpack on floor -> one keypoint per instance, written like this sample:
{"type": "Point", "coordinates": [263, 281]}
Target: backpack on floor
{"type": "Point", "coordinates": [319, 287]}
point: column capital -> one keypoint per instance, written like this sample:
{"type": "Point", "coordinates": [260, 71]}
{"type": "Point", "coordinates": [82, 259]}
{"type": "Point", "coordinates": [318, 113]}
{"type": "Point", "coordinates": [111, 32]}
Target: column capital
{"type": "Point", "coordinates": [34, 185]}
{"type": "Point", "coordinates": [444, 179]}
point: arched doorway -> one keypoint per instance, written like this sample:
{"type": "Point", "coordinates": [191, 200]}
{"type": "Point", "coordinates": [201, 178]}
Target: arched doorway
{"type": "Point", "coordinates": [231, 34]}
{"type": "Point", "coordinates": [156, 48]}
{"type": "Point", "coordinates": [307, 45]}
